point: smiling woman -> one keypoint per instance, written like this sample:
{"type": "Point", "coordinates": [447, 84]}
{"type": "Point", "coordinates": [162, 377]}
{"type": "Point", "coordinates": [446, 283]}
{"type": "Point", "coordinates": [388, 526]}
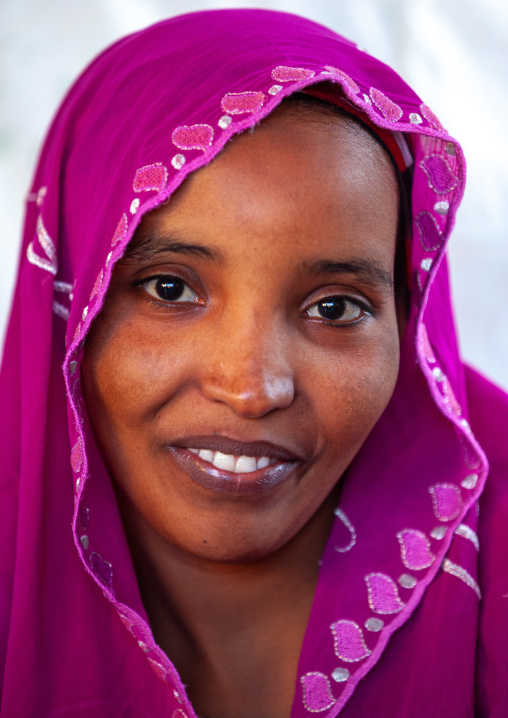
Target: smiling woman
{"type": "Point", "coordinates": [276, 454]}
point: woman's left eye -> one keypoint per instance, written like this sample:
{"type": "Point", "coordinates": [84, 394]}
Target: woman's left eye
{"type": "Point", "coordinates": [170, 289]}
{"type": "Point", "coordinates": [339, 310]}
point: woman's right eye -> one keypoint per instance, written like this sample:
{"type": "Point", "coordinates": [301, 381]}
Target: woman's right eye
{"type": "Point", "coordinates": [172, 289]}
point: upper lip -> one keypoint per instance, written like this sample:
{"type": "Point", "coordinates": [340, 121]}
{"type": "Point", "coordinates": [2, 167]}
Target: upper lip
{"type": "Point", "coordinates": [226, 445]}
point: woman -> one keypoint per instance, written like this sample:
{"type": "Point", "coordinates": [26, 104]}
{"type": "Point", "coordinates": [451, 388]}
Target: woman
{"type": "Point", "coordinates": [276, 454]}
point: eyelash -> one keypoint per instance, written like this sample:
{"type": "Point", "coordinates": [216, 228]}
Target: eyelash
{"type": "Point", "coordinates": [161, 303]}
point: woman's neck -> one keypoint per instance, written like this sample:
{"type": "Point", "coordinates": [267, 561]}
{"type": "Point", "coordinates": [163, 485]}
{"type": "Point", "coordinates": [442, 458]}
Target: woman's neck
{"type": "Point", "coordinates": [234, 631]}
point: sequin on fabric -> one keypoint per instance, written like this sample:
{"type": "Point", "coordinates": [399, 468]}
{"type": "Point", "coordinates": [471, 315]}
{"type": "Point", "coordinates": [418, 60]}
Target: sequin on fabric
{"type": "Point", "coordinates": [340, 675]}
{"type": "Point", "coordinates": [193, 137]}
{"type": "Point", "coordinates": [450, 149]}
{"type": "Point", "coordinates": [178, 161]}
{"type": "Point", "coordinates": [345, 80]}
{"type": "Point", "coordinates": [383, 594]}
{"type": "Point", "coordinates": [440, 177]}
{"type": "Point", "coordinates": [428, 230]}
{"type": "Point", "coordinates": [120, 231]}
{"type": "Point", "coordinates": [469, 481]}
{"type": "Point", "coordinates": [84, 541]}
{"type": "Point", "coordinates": [426, 264]}
{"type": "Point", "coordinates": [85, 313]}
{"type": "Point", "coordinates": [374, 624]}
{"type": "Point", "coordinates": [415, 118]}
{"type": "Point", "coordinates": [456, 570]}
{"type": "Point", "coordinates": [73, 366]}
{"type": "Point", "coordinates": [317, 693]}
{"type": "Point", "coordinates": [407, 581]}
{"type": "Point", "coordinates": [178, 713]}
{"type": "Point", "coordinates": [446, 501]}
{"type": "Point", "coordinates": [348, 641]}
{"type": "Point", "coordinates": [150, 177]}
{"type": "Point", "coordinates": [390, 109]}
{"type": "Point", "coordinates": [282, 73]}
{"type": "Point", "coordinates": [102, 569]}
{"type": "Point", "coordinates": [77, 456]}
{"type": "Point", "coordinates": [431, 118]}
{"type": "Point", "coordinates": [442, 207]}
{"type": "Point", "coordinates": [275, 89]}
{"type": "Point", "coordinates": [415, 549]}
{"type": "Point", "coordinates": [467, 532]}
{"type": "Point", "coordinates": [236, 103]}
{"type": "Point", "coordinates": [347, 523]}
{"type": "Point", "coordinates": [49, 264]}
{"type": "Point", "coordinates": [134, 205]}
{"type": "Point", "coordinates": [224, 122]}
{"type": "Point", "coordinates": [438, 532]}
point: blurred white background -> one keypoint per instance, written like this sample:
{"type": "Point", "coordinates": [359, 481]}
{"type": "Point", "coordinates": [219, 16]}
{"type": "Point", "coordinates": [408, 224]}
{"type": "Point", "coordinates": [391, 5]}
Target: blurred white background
{"type": "Point", "coordinates": [454, 53]}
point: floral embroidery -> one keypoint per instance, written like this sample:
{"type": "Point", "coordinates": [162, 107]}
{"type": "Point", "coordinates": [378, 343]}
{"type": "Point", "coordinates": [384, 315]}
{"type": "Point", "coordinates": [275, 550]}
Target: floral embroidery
{"type": "Point", "coordinates": [50, 264]}
{"type": "Point", "coordinates": [347, 523]}
{"type": "Point", "coordinates": [467, 532]}
{"type": "Point", "coordinates": [150, 177]}
{"type": "Point", "coordinates": [431, 117]}
{"type": "Point", "coordinates": [383, 594]}
{"type": "Point", "coordinates": [390, 109]}
{"type": "Point", "coordinates": [348, 640]}
{"type": "Point", "coordinates": [120, 231]}
{"type": "Point", "coordinates": [317, 693]}
{"type": "Point", "coordinates": [439, 174]}
{"type": "Point", "coordinates": [344, 79]}
{"type": "Point", "coordinates": [456, 570]}
{"type": "Point", "coordinates": [415, 549]}
{"type": "Point", "coordinates": [281, 73]}
{"type": "Point", "coordinates": [193, 137]}
{"type": "Point", "coordinates": [446, 501]}
{"type": "Point", "coordinates": [236, 103]}
{"type": "Point", "coordinates": [430, 234]}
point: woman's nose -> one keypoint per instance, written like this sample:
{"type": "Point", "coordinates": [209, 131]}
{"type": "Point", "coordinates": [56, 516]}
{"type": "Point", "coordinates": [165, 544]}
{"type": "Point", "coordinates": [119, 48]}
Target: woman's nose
{"type": "Point", "coordinates": [248, 369]}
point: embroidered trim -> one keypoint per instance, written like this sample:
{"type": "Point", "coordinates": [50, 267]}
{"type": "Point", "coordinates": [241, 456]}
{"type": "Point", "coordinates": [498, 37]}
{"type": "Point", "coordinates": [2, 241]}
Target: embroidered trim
{"type": "Point", "coordinates": [415, 550]}
{"type": "Point", "coordinates": [348, 641]}
{"type": "Point", "coordinates": [193, 137]}
{"type": "Point", "coordinates": [50, 264]}
{"type": "Point", "coordinates": [440, 176]}
{"type": "Point", "coordinates": [456, 570]}
{"type": "Point", "coordinates": [282, 73]}
{"type": "Point", "coordinates": [347, 523]}
{"type": "Point", "coordinates": [383, 594]}
{"type": "Point", "coordinates": [236, 103]}
{"type": "Point", "coordinates": [467, 532]}
{"type": "Point", "coordinates": [317, 692]}
{"type": "Point", "coordinates": [446, 501]}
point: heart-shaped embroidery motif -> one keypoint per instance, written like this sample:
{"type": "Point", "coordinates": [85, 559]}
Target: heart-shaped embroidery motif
{"type": "Point", "coordinates": [236, 103]}
{"type": "Point", "coordinates": [389, 108]}
{"type": "Point", "coordinates": [193, 137]}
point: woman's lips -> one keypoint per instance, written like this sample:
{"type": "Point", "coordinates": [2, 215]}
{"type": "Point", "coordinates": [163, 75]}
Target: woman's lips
{"type": "Point", "coordinates": [236, 468]}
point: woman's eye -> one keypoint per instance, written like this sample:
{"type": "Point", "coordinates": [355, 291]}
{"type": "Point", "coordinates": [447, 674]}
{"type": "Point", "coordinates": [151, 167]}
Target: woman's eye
{"type": "Point", "coordinates": [337, 309]}
{"type": "Point", "coordinates": [170, 289]}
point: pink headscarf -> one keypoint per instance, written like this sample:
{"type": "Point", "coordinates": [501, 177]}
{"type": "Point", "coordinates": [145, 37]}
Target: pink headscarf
{"type": "Point", "coordinates": [397, 603]}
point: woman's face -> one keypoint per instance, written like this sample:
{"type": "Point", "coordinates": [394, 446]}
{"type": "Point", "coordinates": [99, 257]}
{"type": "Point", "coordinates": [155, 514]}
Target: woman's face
{"type": "Point", "coordinates": [252, 320]}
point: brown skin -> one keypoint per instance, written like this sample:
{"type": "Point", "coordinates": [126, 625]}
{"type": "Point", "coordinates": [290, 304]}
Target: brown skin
{"type": "Point", "coordinates": [228, 581]}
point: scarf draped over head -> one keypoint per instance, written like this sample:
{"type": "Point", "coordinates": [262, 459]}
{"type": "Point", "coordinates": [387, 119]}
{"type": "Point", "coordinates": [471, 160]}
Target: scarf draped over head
{"type": "Point", "coordinates": [397, 570]}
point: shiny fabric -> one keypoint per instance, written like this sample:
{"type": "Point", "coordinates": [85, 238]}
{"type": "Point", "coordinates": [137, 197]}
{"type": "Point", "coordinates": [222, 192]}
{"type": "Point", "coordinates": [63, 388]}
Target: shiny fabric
{"type": "Point", "coordinates": [74, 636]}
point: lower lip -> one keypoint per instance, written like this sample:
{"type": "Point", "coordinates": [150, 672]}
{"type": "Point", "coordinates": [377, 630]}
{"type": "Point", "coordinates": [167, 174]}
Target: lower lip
{"type": "Point", "coordinates": [255, 483]}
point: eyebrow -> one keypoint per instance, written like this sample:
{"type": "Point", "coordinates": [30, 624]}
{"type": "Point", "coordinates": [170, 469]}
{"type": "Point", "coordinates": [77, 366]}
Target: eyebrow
{"type": "Point", "coordinates": [149, 244]}
{"type": "Point", "coordinates": [368, 271]}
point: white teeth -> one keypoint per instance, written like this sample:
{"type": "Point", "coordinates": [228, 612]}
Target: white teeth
{"type": "Point", "coordinates": [206, 455]}
{"type": "Point", "coordinates": [245, 465]}
{"type": "Point", "coordinates": [229, 462]}
{"type": "Point", "coordinates": [224, 461]}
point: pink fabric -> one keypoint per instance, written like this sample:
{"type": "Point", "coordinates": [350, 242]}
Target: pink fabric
{"type": "Point", "coordinates": [74, 638]}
